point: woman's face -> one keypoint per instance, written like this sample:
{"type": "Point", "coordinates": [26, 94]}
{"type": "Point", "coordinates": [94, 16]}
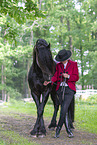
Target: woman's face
{"type": "Point", "coordinates": [64, 61]}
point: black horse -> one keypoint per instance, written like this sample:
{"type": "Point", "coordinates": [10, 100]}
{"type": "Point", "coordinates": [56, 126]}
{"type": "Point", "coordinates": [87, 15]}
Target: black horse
{"type": "Point", "coordinates": [43, 67]}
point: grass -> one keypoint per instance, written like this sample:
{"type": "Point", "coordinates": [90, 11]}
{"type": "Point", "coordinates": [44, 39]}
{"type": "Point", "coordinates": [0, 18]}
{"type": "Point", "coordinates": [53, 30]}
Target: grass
{"type": "Point", "coordinates": [85, 114]}
{"type": "Point", "coordinates": [85, 119]}
{"type": "Point", "coordinates": [13, 138]}
{"type": "Point", "coordinates": [27, 108]}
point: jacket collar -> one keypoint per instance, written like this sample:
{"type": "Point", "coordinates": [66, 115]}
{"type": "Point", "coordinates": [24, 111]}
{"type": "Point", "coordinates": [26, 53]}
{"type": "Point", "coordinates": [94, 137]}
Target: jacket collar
{"type": "Point", "coordinates": [68, 64]}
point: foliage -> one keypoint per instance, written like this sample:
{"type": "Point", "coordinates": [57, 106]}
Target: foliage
{"type": "Point", "coordinates": [13, 14]}
{"type": "Point", "coordinates": [64, 24]}
{"type": "Point", "coordinates": [20, 10]}
{"type": "Point", "coordinates": [14, 64]}
{"type": "Point", "coordinates": [14, 94]}
{"type": "Point", "coordinates": [92, 99]}
{"type": "Point", "coordinates": [2, 142]}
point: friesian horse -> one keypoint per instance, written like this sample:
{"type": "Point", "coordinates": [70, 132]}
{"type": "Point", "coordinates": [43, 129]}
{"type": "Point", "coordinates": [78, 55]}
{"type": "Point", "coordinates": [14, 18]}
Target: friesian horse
{"type": "Point", "coordinates": [42, 68]}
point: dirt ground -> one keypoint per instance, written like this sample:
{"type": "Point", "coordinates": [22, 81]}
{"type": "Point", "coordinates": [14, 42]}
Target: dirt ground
{"type": "Point", "coordinates": [22, 124]}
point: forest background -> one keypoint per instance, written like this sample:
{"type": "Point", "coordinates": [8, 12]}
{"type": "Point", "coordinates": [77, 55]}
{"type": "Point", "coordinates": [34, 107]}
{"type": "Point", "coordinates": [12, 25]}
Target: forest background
{"type": "Point", "coordinates": [65, 24]}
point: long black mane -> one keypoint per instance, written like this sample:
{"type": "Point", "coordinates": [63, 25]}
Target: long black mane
{"type": "Point", "coordinates": [42, 56]}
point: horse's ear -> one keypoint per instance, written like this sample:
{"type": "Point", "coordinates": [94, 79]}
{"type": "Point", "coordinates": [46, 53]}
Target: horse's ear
{"type": "Point", "coordinates": [48, 46]}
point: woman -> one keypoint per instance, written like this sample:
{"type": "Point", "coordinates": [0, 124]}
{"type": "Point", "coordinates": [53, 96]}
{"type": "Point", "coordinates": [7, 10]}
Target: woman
{"type": "Point", "coordinates": [66, 75]}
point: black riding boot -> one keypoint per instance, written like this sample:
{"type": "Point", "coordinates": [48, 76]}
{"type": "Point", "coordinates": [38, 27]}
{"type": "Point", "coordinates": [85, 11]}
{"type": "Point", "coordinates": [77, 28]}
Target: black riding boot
{"type": "Point", "coordinates": [68, 126]}
{"type": "Point", "coordinates": [70, 121]}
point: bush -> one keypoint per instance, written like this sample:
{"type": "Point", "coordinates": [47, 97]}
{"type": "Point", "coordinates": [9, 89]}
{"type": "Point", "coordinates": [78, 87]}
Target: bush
{"type": "Point", "coordinates": [13, 94]}
{"type": "Point", "coordinates": [92, 99]}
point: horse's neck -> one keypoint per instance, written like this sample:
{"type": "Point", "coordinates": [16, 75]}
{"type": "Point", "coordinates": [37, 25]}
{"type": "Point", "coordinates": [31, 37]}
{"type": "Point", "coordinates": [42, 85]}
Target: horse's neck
{"type": "Point", "coordinates": [36, 68]}
{"type": "Point", "coordinates": [54, 66]}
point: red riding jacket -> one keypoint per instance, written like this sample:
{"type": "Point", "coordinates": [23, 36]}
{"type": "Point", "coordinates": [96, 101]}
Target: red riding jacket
{"type": "Point", "coordinates": [71, 69]}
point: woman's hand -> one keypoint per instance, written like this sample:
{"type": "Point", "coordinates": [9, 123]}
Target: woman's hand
{"type": "Point", "coordinates": [65, 75]}
{"type": "Point", "coordinates": [46, 83]}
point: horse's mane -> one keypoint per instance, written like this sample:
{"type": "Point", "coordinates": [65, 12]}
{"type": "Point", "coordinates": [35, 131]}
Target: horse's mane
{"type": "Point", "coordinates": [45, 56]}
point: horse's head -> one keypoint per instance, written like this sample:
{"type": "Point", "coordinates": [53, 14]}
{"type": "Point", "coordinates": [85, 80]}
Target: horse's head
{"type": "Point", "coordinates": [44, 58]}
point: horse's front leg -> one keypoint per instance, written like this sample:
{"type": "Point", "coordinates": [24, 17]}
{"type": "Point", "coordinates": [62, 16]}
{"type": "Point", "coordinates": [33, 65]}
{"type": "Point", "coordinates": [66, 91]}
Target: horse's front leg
{"type": "Point", "coordinates": [35, 130]}
{"type": "Point", "coordinates": [39, 127]}
{"type": "Point", "coordinates": [42, 129]}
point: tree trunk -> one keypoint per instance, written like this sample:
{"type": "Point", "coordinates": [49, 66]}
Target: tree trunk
{"type": "Point", "coordinates": [95, 35]}
{"type": "Point", "coordinates": [5, 95]}
{"type": "Point", "coordinates": [40, 4]}
{"type": "Point", "coordinates": [3, 83]}
{"type": "Point", "coordinates": [61, 32]}
{"type": "Point", "coordinates": [31, 38]}
{"type": "Point", "coordinates": [70, 38]}
{"type": "Point", "coordinates": [27, 89]}
{"type": "Point", "coordinates": [81, 52]}
{"type": "Point", "coordinates": [82, 66]}
{"type": "Point", "coordinates": [28, 92]}
{"type": "Point", "coordinates": [60, 36]}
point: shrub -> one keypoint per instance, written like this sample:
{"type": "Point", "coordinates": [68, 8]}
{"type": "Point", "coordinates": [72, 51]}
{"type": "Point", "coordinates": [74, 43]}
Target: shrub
{"type": "Point", "coordinates": [92, 99]}
{"type": "Point", "coordinates": [14, 94]}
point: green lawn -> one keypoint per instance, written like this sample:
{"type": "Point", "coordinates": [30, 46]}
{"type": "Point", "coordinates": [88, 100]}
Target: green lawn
{"type": "Point", "coordinates": [86, 117]}
{"type": "Point", "coordinates": [14, 138]}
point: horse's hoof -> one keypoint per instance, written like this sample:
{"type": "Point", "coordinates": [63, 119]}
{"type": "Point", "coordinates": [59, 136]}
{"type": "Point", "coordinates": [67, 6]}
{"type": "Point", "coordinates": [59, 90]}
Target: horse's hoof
{"type": "Point", "coordinates": [71, 126]}
{"type": "Point", "coordinates": [52, 126]}
{"type": "Point", "coordinates": [34, 136]}
{"type": "Point", "coordinates": [33, 132]}
{"type": "Point", "coordinates": [71, 135]}
{"type": "Point", "coordinates": [42, 131]}
{"type": "Point", "coordinates": [41, 135]}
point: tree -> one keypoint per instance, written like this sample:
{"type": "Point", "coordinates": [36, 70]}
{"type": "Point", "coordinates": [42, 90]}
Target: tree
{"type": "Point", "coordinates": [13, 15]}
{"type": "Point", "coordinates": [17, 12]}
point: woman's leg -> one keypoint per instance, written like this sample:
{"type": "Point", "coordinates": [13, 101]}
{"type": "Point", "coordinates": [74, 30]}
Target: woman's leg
{"type": "Point", "coordinates": [67, 125]}
{"type": "Point", "coordinates": [71, 111]}
{"type": "Point", "coordinates": [64, 109]}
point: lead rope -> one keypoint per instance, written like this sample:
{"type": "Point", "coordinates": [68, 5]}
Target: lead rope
{"type": "Point", "coordinates": [63, 88]}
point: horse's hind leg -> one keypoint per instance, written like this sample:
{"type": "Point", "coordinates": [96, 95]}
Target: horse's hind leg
{"type": "Point", "coordinates": [56, 108]}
